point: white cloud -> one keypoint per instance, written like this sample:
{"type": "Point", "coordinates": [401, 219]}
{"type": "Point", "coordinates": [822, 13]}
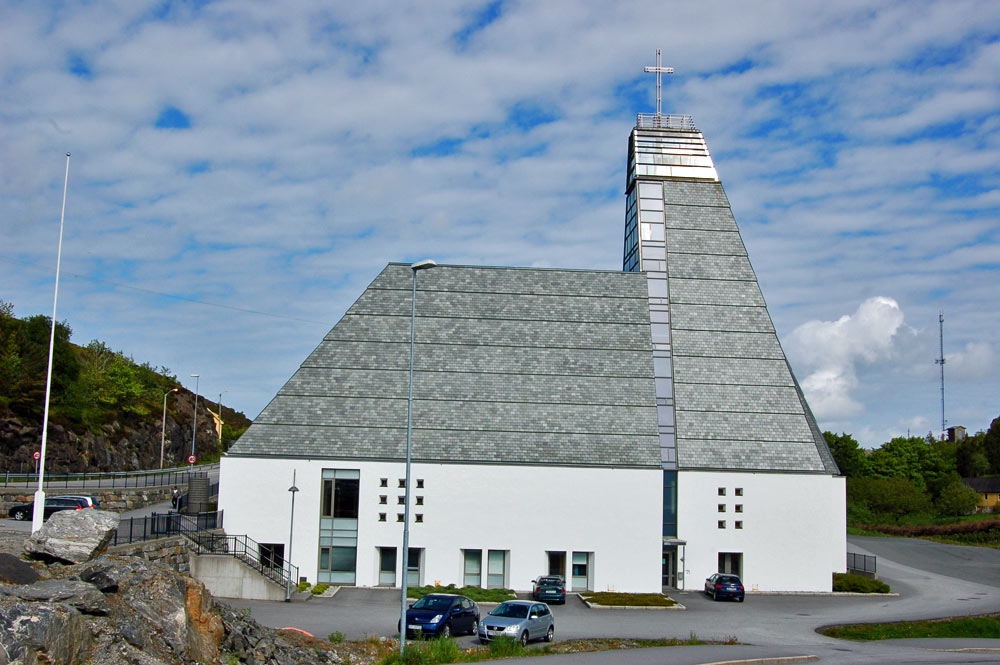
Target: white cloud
{"type": "Point", "coordinates": [831, 352]}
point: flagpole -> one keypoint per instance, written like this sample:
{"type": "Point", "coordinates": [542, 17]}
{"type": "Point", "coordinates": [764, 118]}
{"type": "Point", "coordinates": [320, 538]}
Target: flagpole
{"type": "Point", "coordinates": [38, 514]}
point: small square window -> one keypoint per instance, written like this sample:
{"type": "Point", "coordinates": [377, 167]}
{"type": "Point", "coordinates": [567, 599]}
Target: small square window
{"type": "Point", "coordinates": [739, 507]}
{"type": "Point", "coordinates": [399, 517]}
{"type": "Point", "coordinates": [401, 500]}
{"type": "Point", "coordinates": [402, 482]}
{"type": "Point", "coordinates": [420, 517]}
{"type": "Point", "coordinates": [722, 524]}
{"type": "Point", "coordinates": [420, 500]}
{"type": "Point", "coordinates": [383, 482]}
{"type": "Point", "coordinates": [381, 517]}
{"type": "Point", "coordinates": [739, 525]}
{"type": "Point", "coordinates": [722, 491]}
{"type": "Point", "coordinates": [383, 499]}
{"type": "Point", "coordinates": [739, 491]}
{"type": "Point", "coordinates": [420, 483]}
{"type": "Point", "coordinates": [722, 507]}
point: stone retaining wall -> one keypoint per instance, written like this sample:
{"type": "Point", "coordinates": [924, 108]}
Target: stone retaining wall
{"type": "Point", "coordinates": [174, 551]}
{"type": "Point", "coordinates": [117, 500]}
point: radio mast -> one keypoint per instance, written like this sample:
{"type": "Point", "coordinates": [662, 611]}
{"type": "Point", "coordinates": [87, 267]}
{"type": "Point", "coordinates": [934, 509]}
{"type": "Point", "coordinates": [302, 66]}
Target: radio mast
{"type": "Point", "coordinates": [940, 361]}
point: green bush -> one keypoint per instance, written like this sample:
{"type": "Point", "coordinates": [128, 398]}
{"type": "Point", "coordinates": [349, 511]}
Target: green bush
{"type": "Point", "coordinates": [320, 588]}
{"type": "Point", "coordinates": [336, 637]}
{"type": "Point", "coordinates": [303, 586]}
{"type": "Point", "coordinates": [845, 582]}
{"type": "Point", "coordinates": [477, 594]}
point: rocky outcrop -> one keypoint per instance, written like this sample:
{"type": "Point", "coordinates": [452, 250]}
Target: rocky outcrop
{"type": "Point", "coordinates": [147, 615]}
{"type": "Point", "coordinates": [73, 536]}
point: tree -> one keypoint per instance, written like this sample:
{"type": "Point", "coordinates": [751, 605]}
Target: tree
{"type": "Point", "coordinates": [991, 445]}
{"type": "Point", "coordinates": [912, 458]}
{"type": "Point", "coordinates": [847, 453]}
{"type": "Point", "coordinates": [970, 456]}
{"type": "Point", "coordinates": [887, 498]}
{"type": "Point", "coordinates": [957, 498]}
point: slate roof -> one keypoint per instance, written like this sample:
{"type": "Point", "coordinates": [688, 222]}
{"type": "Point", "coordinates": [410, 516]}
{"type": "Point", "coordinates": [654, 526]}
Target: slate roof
{"type": "Point", "coordinates": [512, 366]}
{"type": "Point", "coordinates": [737, 403]}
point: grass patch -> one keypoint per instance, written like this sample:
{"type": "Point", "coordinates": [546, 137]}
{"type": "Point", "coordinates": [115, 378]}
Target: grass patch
{"type": "Point", "coordinates": [628, 599]}
{"type": "Point", "coordinates": [980, 626]}
{"type": "Point", "coordinates": [441, 651]}
{"type": "Point", "coordinates": [846, 582]}
{"type": "Point", "coordinates": [477, 594]}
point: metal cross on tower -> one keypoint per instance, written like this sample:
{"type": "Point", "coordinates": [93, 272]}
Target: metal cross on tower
{"type": "Point", "coordinates": [659, 71]}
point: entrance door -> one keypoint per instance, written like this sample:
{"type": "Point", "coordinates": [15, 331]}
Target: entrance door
{"type": "Point", "coordinates": [557, 563]}
{"type": "Point", "coordinates": [669, 566]}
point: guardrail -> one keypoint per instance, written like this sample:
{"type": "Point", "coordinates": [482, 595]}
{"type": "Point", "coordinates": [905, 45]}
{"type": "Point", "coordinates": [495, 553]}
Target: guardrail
{"type": "Point", "coordinates": [119, 479]}
{"type": "Point", "coordinates": [664, 121]}
{"type": "Point", "coordinates": [248, 551]}
{"type": "Point", "coordinates": [864, 564]}
{"type": "Point", "coordinates": [163, 525]}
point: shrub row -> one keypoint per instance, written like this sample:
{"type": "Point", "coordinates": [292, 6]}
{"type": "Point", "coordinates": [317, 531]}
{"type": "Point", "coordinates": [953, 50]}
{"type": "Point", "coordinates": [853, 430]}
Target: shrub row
{"type": "Point", "coordinates": [846, 582]}
{"type": "Point", "coordinates": [985, 527]}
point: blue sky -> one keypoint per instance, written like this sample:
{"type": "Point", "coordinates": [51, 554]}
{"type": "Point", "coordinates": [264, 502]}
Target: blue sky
{"type": "Point", "coordinates": [242, 170]}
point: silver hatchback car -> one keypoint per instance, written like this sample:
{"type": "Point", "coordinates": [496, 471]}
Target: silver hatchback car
{"type": "Point", "coordinates": [522, 620]}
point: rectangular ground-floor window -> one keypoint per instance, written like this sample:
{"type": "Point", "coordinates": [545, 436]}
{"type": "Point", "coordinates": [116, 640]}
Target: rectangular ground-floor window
{"type": "Point", "coordinates": [582, 570]}
{"type": "Point", "coordinates": [496, 569]}
{"type": "Point", "coordinates": [387, 566]}
{"type": "Point", "coordinates": [473, 567]}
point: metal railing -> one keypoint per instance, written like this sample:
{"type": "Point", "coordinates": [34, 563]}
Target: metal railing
{"type": "Point", "coordinates": [248, 551]}
{"type": "Point", "coordinates": [112, 480]}
{"type": "Point", "coordinates": [860, 563]}
{"type": "Point", "coordinates": [664, 121]}
{"type": "Point", "coordinates": [163, 525]}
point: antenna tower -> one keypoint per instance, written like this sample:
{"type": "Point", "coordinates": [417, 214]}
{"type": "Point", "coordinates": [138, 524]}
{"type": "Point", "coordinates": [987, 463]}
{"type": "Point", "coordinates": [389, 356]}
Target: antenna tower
{"type": "Point", "coordinates": [940, 361]}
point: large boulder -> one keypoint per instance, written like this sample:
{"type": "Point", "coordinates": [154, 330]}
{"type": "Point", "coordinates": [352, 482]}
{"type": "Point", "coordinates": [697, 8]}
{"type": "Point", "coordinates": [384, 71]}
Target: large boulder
{"type": "Point", "coordinates": [73, 536]}
{"type": "Point", "coordinates": [15, 571]}
{"type": "Point", "coordinates": [77, 593]}
{"type": "Point", "coordinates": [43, 633]}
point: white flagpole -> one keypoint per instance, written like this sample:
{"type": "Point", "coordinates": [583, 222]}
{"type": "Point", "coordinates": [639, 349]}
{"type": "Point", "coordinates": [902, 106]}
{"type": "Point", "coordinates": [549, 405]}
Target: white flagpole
{"type": "Point", "coordinates": [38, 515]}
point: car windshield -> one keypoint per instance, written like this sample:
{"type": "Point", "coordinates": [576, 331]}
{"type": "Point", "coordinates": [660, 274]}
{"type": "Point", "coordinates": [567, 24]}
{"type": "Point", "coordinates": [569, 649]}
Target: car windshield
{"type": "Point", "coordinates": [432, 603]}
{"type": "Point", "coordinates": [510, 610]}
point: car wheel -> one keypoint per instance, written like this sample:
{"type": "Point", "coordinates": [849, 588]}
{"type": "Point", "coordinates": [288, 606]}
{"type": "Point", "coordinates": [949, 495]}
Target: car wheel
{"type": "Point", "coordinates": [475, 627]}
{"type": "Point", "coordinates": [482, 641]}
{"type": "Point", "coordinates": [19, 515]}
{"type": "Point", "coordinates": [550, 633]}
{"type": "Point", "coordinates": [740, 599]}
{"type": "Point", "coordinates": [446, 631]}
{"type": "Point", "coordinates": [524, 639]}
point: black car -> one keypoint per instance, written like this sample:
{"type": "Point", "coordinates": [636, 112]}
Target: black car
{"type": "Point", "coordinates": [442, 615]}
{"type": "Point", "coordinates": [722, 585]}
{"type": "Point", "coordinates": [550, 589]}
{"type": "Point", "coordinates": [54, 504]}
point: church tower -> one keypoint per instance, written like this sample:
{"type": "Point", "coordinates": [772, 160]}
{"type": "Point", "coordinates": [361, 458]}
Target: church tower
{"type": "Point", "coordinates": [727, 400]}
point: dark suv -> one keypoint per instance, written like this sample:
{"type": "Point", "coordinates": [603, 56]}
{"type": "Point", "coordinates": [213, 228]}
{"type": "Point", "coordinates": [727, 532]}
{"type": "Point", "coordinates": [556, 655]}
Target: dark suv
{"type": "Point", "coordinates": [54, 504]}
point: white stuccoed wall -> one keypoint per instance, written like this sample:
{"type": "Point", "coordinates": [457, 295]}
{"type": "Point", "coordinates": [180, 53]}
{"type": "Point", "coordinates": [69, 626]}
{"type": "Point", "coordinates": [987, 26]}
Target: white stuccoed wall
{"type": "Point", "coordinates": [614, 513]}
{"type": "Point", "coordinates": [794, 532]}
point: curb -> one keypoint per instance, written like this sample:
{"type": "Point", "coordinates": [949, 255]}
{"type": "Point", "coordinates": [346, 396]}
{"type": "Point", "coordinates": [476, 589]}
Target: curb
{"type": "Point", "coordinates": [596, 606]}
{"type": "Point", "coordinates": [774, 660]}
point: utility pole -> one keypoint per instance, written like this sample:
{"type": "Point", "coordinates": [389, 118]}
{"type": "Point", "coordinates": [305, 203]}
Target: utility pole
{"type": "Point", "coordinates": [940, 361]}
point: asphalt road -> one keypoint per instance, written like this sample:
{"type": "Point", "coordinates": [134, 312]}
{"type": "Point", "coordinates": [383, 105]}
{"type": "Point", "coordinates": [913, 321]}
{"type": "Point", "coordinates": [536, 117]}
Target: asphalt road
{"type": "Point", "coordinates": [929, 578]}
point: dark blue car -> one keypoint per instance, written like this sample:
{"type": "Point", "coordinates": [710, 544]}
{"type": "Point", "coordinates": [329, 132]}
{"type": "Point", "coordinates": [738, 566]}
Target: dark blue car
{"type": "Point", "coordinates": [721, 585]}
{"type": "Point", "coordinates": [442, 615]}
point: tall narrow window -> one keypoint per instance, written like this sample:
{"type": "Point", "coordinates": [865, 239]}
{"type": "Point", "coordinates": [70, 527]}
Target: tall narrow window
{"type": "Point", "coordinates": [581, 571]}
{"type": "Point", "coordinates": [473, 574]}
{"type": "Point", "coordinates": [496, 569]}
{"type": "Point", "coordinates": [338, 529]}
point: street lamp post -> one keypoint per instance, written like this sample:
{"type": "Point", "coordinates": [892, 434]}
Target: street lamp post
{"type": "Point", "coordinates": [38, 513]}
{"type": "Point", "coordinates": [405, 559]}
{"type": "Point", "coordinates": [291, 530]}
{"type": "Point", "coordinates": [163, 424]}
{"type": "Point", "coordinates": [194, 423]}
{"type": "Point", "coordinates": [220, 421]}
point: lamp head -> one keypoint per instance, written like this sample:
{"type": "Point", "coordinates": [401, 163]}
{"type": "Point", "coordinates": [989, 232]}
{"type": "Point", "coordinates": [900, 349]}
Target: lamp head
{"type": "Point", "coordinates": [423, 265]}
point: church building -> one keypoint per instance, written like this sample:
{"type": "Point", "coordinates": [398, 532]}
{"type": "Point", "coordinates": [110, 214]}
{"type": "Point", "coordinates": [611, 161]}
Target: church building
{"type": "Point", "coordinates": [629, 430]}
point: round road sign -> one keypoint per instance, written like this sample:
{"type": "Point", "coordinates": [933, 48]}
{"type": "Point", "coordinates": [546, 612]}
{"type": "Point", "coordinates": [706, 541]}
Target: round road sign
{"type": "Point", "coordinates": [38, 455]}
{"type": "Point", "coordinates": [192, 459]}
